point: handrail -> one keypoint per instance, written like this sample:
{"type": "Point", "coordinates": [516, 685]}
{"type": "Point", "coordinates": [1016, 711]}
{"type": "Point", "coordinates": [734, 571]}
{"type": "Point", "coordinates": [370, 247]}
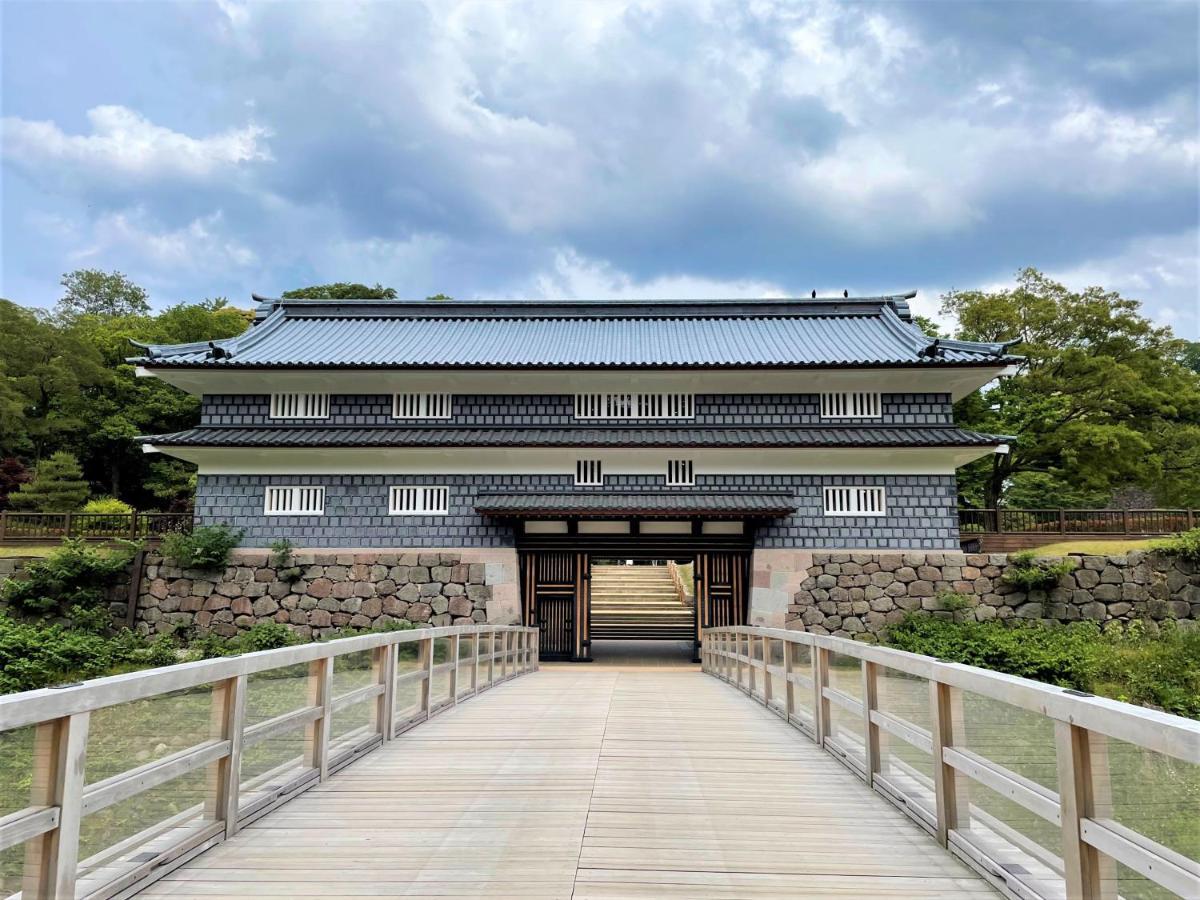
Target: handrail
{"type": "Point", "coordinates": [1091, 842]}
{"type": "Point", "coordinates": [16, 526]}
{"type": "Point", "coordinates": [60, 797]}
{"type": "Point", "coordinates": [1005, 520]}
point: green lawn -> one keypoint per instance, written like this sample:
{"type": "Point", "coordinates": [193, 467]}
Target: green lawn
{"type": "Point", "coordinates": [1095, 548]}
{"type": "Point", "coordinates": [9, 550]}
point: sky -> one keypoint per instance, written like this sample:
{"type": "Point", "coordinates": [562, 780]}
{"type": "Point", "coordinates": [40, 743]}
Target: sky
{"type": "Point", "coordinates": [607, 149]}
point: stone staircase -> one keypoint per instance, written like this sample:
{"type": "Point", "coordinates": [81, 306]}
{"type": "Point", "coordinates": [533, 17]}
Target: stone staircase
{"type": "Point", "coordinates": [638, 603]}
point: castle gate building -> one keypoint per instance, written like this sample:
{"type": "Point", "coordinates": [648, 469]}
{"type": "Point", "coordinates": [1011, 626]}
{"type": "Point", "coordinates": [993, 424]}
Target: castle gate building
{"type": "Point", "coordinates": [638, 468]}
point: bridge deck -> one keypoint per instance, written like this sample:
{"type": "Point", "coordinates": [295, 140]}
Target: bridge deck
{"type": "Point", "coordinates": [587, 783]}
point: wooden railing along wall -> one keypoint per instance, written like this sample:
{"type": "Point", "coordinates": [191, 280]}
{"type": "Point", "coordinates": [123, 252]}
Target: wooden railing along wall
{"type": "Point", "coordinates": [1046, 792]}
{"type": "Point", "coordinates": [315, 708]}
{"type": "Point", "coordinates": [23, 526]}
{"type": "Point", "coordinates": [1076, 521]}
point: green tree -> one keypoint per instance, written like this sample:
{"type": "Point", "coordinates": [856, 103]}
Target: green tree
{"type": "Point", "coordinates": [440, 297]}
{"type": "Point", "coordinates": [1191, 355]}
{"type": "Point", "coordinates": [342, 290]}
{"type": "Point", "coordinates": [1100, 401]}
{"type": "Point", "coordinates": [96, 293]}
{"type": "Point", "coordinates": [12, 475]}
{"type": "Point", "coordinates": [47, 371]}
{"type": "Point", "coordinates": [57, 486]}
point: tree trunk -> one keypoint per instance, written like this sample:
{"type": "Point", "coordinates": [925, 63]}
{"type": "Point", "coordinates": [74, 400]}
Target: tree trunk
{"type": "Point", "coordinates": [995, 483]}
{"type": "Point", "coordinates": [114, 477]}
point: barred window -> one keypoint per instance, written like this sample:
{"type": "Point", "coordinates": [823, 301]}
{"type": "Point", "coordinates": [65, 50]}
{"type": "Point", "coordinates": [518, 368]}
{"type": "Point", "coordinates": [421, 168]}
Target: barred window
{"type": "Point", "coordinates": [588, 472]}
{"type": "Point", "coordinates": [295, 500]}
{"type": "Point", "coordinates": [635, 406]}
{"type": "Point", "coordinates": [680, 472]}
{"type": "Point", "coordinates": [422, 406]}
{"type": "Point", "coordinates": [418, 500]}
{"type": "Point", "coordinates": [855, 501]}
{"type": "Point", "coordinates": [299, 406]}
{"type": "Point", "coordinates": [851, 405]}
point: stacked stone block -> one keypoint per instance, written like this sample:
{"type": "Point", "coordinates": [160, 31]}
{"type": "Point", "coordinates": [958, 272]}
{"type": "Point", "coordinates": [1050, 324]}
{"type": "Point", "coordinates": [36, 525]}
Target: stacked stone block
{"type": "Point", "coordinates": [858, 595]}
{"type": "Point", "coordinates": [333, 590]}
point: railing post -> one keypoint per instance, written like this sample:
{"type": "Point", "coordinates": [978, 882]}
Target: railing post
{"type": "Point", "coordinates": [475, 663]}
{"type": "Point", "coordinates": [944, 787]}
{"type": "Point", "coordinates": [1191, 522]}
{"type": "Point", "coordinates": [3, 523]}
{"type": "Point", "coordinates": [870, 702]}
{"type": "Point", "coordinates": [427, 684]}
{"type": "Point", "coordinates": [320, 693]}
{"type": "Point", "coordinates": [67, 525]}
{"type": "Point", "coordinates": [133, 521]}
{"type": "Point", "coordinates": [59, 759]}
{"type": "Point", "coordinates": [455, 647]}
{"type": "Point", "coordinates": [384, 666]}
{"type": "Point", "coordinates": [789, 689]}
{"type": "Point", "coordinates": [227, 723]}
{"type": "Point", "coordinates": [1062, 521]}
{"type": "Point", "coordinates": [750, 677]}
{"type": "Point", "coordinates": [820, 679]}
{"type": "Point", "coordinates": [766, 670]}
{"type": "Point", "coordinates": [491, 658]}
{"type": "Point", "coordinates": [1089, 874]}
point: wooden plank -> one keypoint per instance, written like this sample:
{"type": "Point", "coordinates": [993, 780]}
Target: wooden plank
{"type": "Point", "coordinates": [60, 757]}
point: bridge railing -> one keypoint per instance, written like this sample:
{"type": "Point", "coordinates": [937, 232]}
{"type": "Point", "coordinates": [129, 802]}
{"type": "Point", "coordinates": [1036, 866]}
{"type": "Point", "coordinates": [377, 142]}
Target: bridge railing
{"type": "Point", "coordinates": [107, 785]}
{"type": "Point", "coordinates": [1046, 792]}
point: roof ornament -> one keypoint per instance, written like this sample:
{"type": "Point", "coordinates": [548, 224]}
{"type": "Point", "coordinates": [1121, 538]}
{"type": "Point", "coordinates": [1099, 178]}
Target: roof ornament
{"type": "Point", "coordinates": [151, 352]}
{"type": "Point", "coordinates": [814, 295]}
{"type": "Point", "coordinates": [215, 352]}
{"type": "Point", "coordinates": [1002, 347]}
{"type": "Point", "coordinates": [845, 293]}
{"type": "Point", "coordinates": [931, 350]}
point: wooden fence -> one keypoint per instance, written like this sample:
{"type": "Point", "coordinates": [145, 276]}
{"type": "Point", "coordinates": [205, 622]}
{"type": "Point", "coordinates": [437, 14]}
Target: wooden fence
{"type": "Point", "coordinates": [29, 527]}
{"type": "Point", "coordinates": [1046, 792]}
{"type": "Point", "coordinates": [1005, 530]}
{"type": "Point", "coordinates": [347, 699]}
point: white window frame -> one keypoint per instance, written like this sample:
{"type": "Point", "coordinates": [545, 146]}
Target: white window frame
{"type": "Point", "coordinates": [300, 406]}
{"type": "Point", "coordinates": [418, 500]}
{"type": "Point", "coordinates": [589, 473]}
{"type": "Point", "coordinates": [422, 406]}
{"type": "Point", "coordinates": [645, 406]}
{"type": "Point", "coordinates": [294, 500]}
{"type": "Point", "coordinates": [852, 405]}
{"type": "Point", "coordinates": [681, 472]}
{"type": "Point", "coordinates": [854, 500]}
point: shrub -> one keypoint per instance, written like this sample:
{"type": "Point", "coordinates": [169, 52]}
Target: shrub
{"type": "Point", "coordinates": [74, 575]}
{"type": "Point", "coordinates": [1026, 572]}
{"type": "Point", "coordinates": [111, 513]}
{"type": "Point", "coordinates": [1157, 667]}
{"type": "Point", "coordinates": [57, 486]}
{"type": "Point", "coordinates": [1185, 545]}
{"type": "Point", "coordinates": [261, 636]}
{"type": "Point", "coordinates": [35, 656]}
{"type": "Point", "coordinates": [207, 547]}
{"type": "Point", "coordinates": [281, 558]}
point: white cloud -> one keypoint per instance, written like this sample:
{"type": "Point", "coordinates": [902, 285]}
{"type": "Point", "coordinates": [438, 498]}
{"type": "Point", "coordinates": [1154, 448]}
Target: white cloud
{"type": "Point", "coordinates": [201, 245]}
{"type": "Point", "coordinates": [126, 144]}
{"type": "Point", "coordinates": [574, 277]}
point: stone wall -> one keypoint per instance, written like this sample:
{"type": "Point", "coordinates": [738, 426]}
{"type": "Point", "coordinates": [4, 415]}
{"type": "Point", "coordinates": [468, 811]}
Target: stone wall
{"type": "Point", "coordinates": [334, 589]}
{"type": "Point", "coordinates": [859, 594]}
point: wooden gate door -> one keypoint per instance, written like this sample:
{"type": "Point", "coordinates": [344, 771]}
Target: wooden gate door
{"type": "Point", "coordinates": [721, 594]}
{"type": "Point", "coordinates": [555, 583]}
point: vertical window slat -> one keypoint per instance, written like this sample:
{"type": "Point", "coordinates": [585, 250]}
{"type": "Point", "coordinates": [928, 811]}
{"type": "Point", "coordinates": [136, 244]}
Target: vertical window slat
{"type": "Point", "coordinates": [294, 500]}
{"type": "Point", "coordinates": [418, 500]}
{"type": "Point", "coordinates": [588, 472]}
{"type": "Point", "coordinates": [854, 501]}
{"type": "Point", "coordinates": [680, 472]}
{"type": "Point", "coordinates": [299, 406]}
{"type": "Point", "coordinates": [422, 406]}
{"type": "Point", "coordinates": [634, 406]}
{"type": "Point", "coordinates": [851, 405]}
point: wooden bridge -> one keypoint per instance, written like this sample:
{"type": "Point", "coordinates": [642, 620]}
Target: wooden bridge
{"type": "Point", "coordinates": [788, 765]}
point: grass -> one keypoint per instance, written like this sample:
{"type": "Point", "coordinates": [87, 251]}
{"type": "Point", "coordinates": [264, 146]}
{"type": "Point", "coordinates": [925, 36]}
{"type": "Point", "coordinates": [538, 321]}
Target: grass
{"type": "Point", "coordinates": [1095, 548]}
{"type": "Point", "coordinates": [10, 550]}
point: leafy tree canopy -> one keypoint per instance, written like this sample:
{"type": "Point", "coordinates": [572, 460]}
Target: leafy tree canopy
{"type": "Point", "coordinates": [92, 292]}
{"type": "Point", "coordinates": [57, 486]}
{"type": "Point", "coordinates": [342, 290]}
{"type": "Point", "coordinates": [1101, 401]}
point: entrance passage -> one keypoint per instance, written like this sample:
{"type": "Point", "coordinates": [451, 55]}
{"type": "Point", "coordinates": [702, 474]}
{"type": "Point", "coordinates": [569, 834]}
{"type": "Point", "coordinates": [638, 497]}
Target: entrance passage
{"type": "Point", "coordinates": [646, 601]}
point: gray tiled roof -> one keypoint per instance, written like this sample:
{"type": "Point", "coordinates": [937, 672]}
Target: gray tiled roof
{"type": "Point", "coordinates": [676, 436]}
{"type": "Point", "coordinates": [592, 504]}
{"type": "Point", "coordinates": [872, 331]}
